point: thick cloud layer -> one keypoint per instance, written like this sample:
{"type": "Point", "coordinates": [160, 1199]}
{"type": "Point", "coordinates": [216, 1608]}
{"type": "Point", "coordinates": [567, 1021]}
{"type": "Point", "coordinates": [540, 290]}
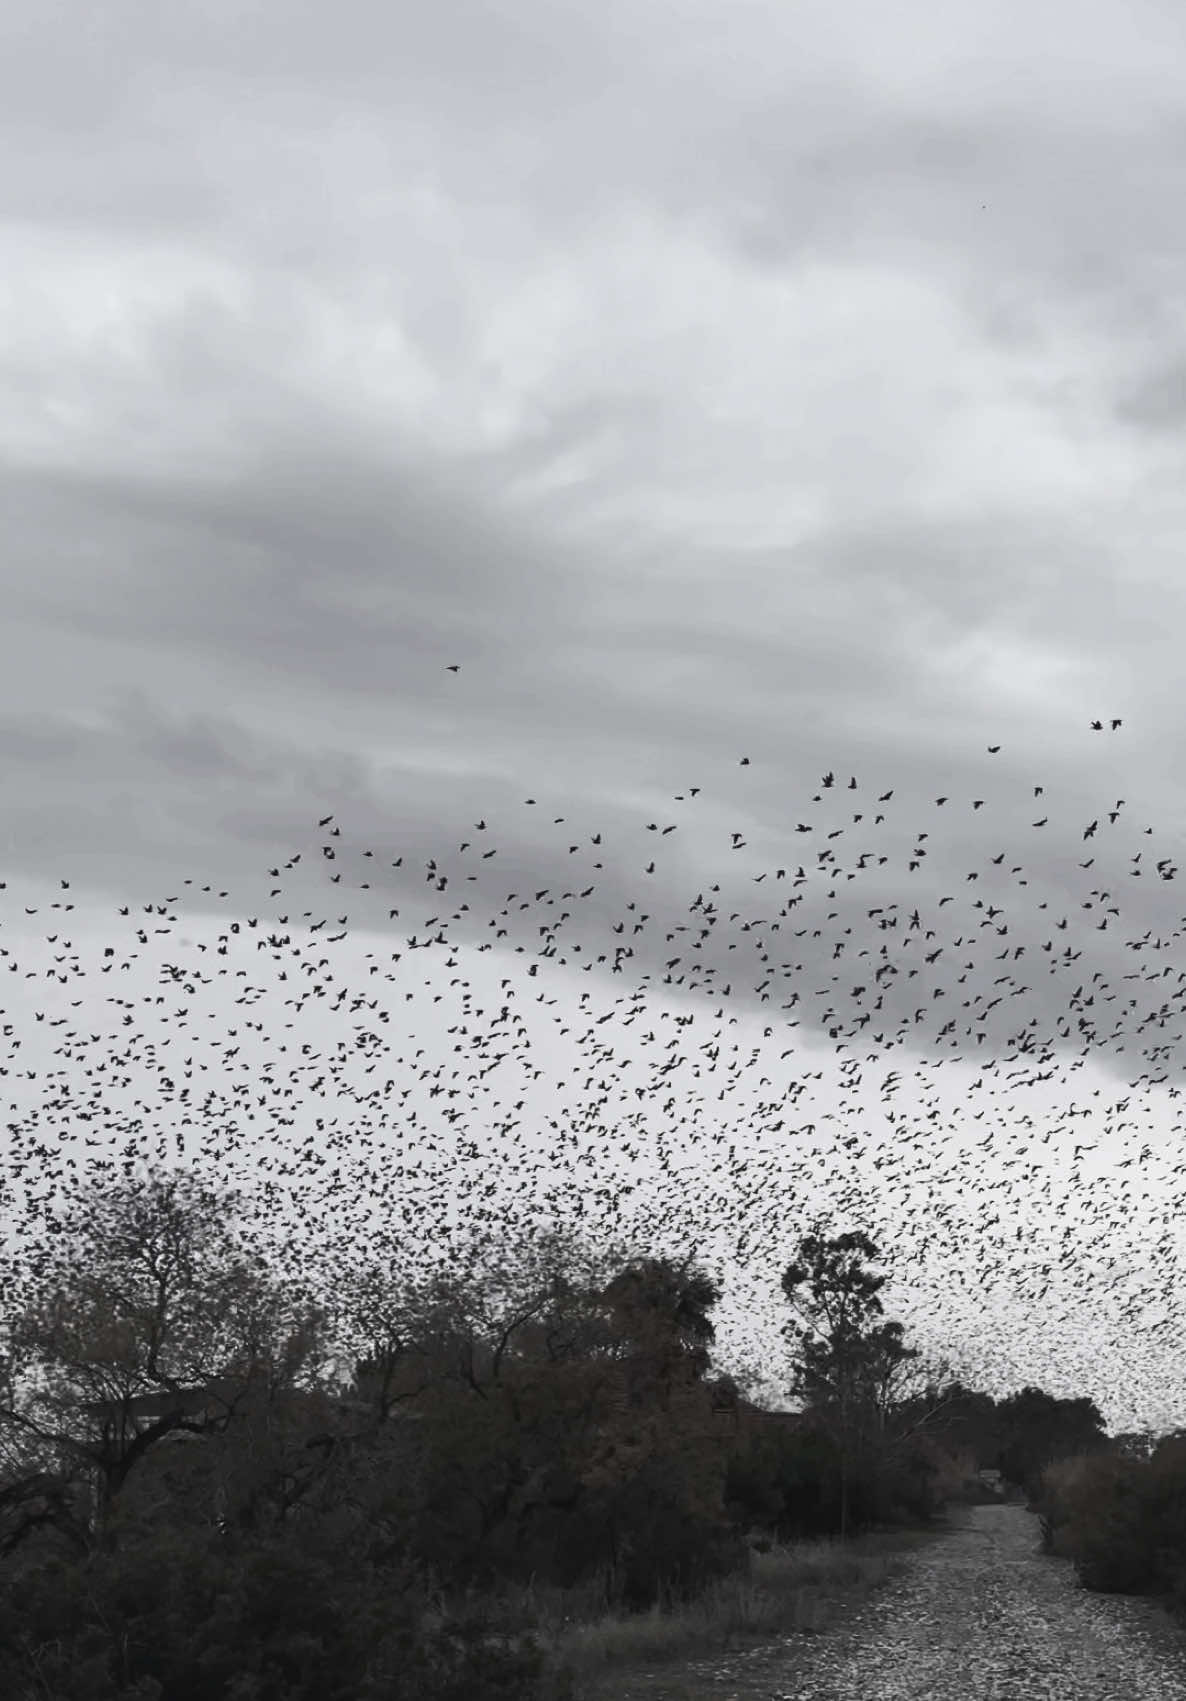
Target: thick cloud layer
{"type": "Point", "coordinates": [699, 383]}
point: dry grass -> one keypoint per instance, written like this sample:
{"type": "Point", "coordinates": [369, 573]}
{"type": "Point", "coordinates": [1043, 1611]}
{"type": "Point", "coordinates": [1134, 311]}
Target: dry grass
{"type": "Point", "coordinates": [793, 1588]}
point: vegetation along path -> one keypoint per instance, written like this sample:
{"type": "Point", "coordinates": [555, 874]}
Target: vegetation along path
{"type": "Point", "coordinates": [980, 1615]}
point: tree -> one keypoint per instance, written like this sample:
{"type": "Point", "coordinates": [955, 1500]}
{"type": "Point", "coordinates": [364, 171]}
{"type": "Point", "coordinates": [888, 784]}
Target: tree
{"type": "Point", "coordinates": [406, 1331]}
{"type": "Point", "coordinates": [146, 1319]}
{"type": "Point", "coordinates": [561, 1396]}
{"type": "Point", "coordinates": [661, 1312]}
{"type": "Point", "coordinates": [1137, 1444]}
{"type": "Point", "coordinates": [1038, 1428]}
{"type": "Point", "coordinates": [846, 1365]}
{"type": "Point", "coordinates": [963, 1419]}
{"type": "Point", "coordinates": [508, 1357]}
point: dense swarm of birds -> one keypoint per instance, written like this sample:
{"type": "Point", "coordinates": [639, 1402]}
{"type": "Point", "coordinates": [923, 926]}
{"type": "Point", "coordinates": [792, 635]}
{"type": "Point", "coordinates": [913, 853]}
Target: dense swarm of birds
{"type": "Point", "coordinates": [429, 1149]}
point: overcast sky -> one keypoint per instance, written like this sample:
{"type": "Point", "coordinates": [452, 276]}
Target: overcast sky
{"type": "Point", "coordinates": [781, 382]}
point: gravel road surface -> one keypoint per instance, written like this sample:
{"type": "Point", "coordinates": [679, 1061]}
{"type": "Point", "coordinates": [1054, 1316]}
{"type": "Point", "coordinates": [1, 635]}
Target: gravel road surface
{"type": "Point", "coordinates": [979, 1615]}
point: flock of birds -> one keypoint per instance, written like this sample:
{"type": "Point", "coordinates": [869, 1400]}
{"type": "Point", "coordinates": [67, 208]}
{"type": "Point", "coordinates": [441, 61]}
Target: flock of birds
{"type": "Point", "coordinates": [621, 1145]}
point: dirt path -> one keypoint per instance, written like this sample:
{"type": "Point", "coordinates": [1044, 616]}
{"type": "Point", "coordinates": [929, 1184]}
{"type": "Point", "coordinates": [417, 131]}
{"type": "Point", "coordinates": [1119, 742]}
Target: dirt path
{"type": "Point", "coordinates": [980, 1615]}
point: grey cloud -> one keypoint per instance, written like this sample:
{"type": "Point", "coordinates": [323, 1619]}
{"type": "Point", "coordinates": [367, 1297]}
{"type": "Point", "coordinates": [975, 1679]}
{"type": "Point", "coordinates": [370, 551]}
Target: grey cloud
{"type": "Point", "coordinates": [190, 748]}
{"type": "Point", "coordinates": [267, 796]}
{"type": "Point", "coordinates": [316, 563]}
{"type": "Point", "coordinates": [1156, 401]}
{"type": "Point", "coordinates": [29, 740]}
{"type": "Point", "coordinates": [852, 355]}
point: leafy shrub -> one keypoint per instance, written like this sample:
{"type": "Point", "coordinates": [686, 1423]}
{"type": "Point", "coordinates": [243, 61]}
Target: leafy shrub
{"type": "Point", "coordinates": [1057, 1497]}
{"type": "Point", "coordinates": [1097, 1509]}
{"type": "Point", "coordinates": [787, 1482]}
{"type": "Point", "coordinates": [170, 1620]}
{"type": "Point", "coordinates": [913, 1484]}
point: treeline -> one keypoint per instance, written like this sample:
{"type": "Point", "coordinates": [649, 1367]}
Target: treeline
{"type": "Point", "coordinates": [214, 1487]}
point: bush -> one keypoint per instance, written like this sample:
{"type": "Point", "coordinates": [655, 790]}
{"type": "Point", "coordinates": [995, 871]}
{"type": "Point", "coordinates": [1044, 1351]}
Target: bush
{"type": "Point", "coordinates": [1164, 1480]}
{"type": "Point", "coordinates": [666, 1549]}
{"type": "Point", "coordinates": [1113, 1518]}
{"type": "Point", "coordinates": [787, 1482]}
{"type": "Point", "coordinates": [1057, 1497]}
{"type": "Point", "coordinates": [174, 1620]}
{"type": "Point", "coordinates": [913, 1485]}
{"type": "Point", "coordinates": [1111, 1551]}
